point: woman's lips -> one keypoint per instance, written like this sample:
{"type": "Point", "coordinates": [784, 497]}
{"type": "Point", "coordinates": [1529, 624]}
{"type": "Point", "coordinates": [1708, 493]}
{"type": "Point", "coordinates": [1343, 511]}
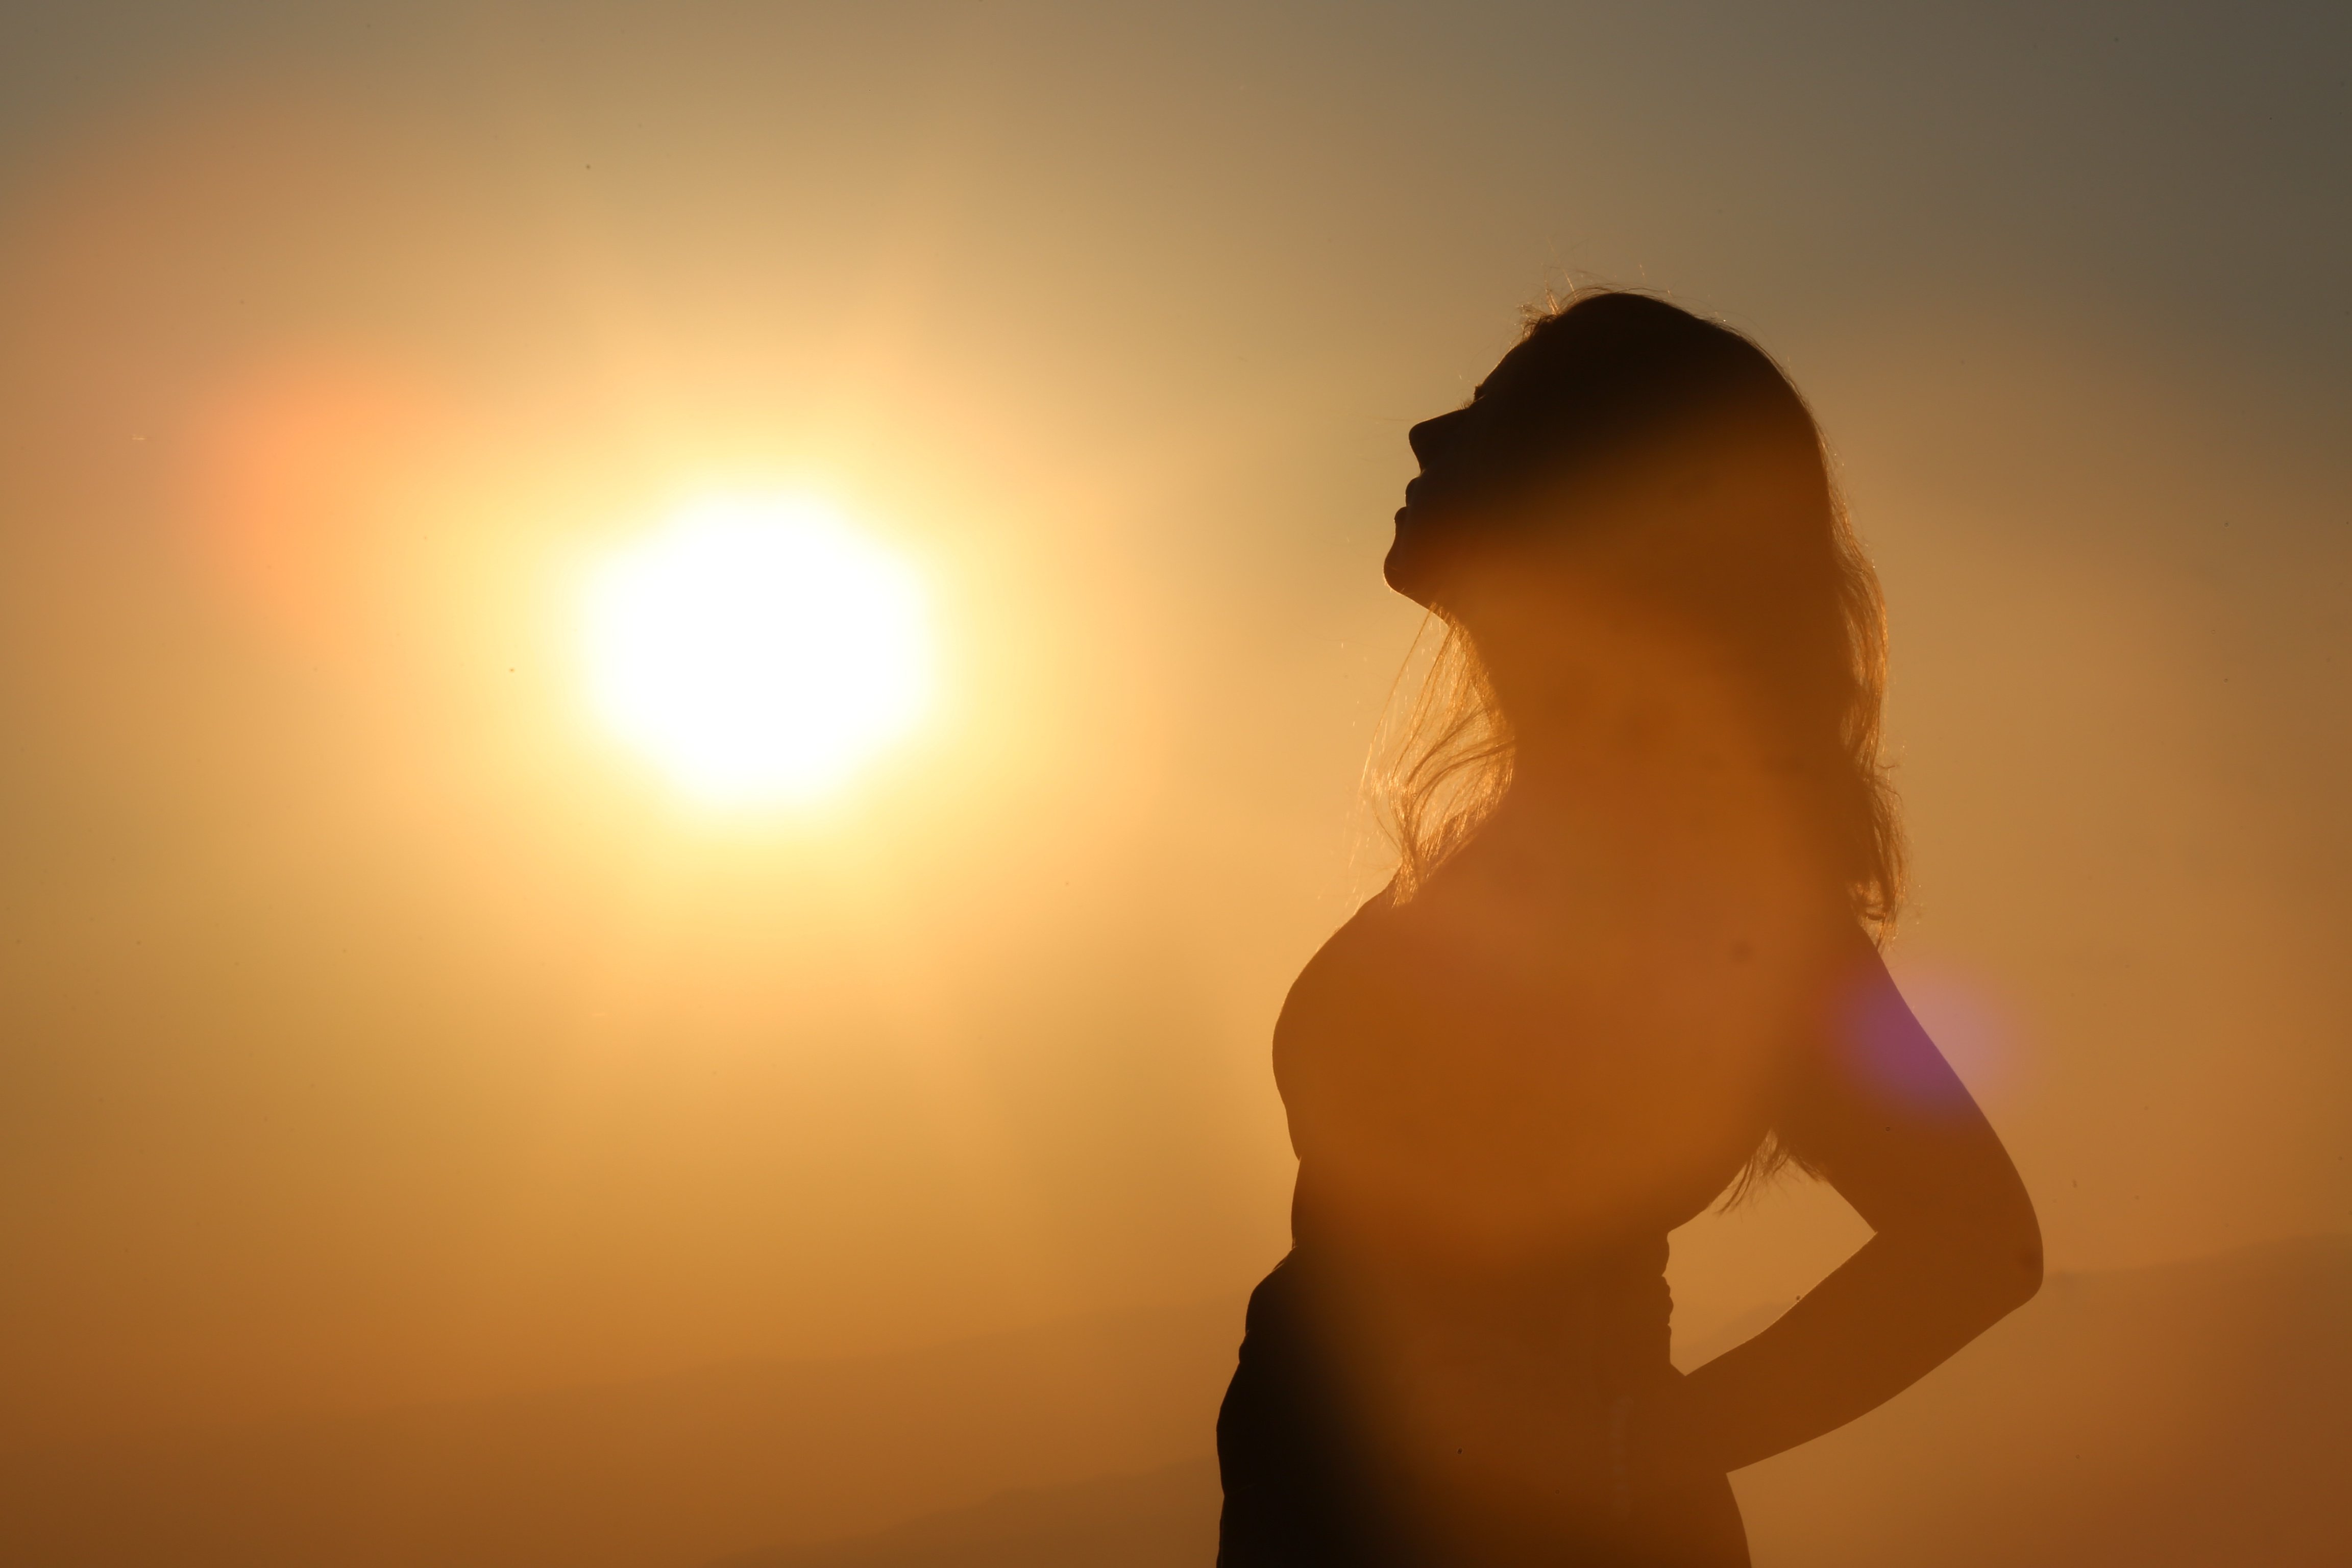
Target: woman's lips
{"type": "Point", "coordinates": [1405, 510]}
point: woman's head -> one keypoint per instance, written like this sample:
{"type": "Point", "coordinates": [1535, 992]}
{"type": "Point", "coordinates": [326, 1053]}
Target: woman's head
{"type": "Point", "coordinates": [1600, 394]}
{"type": "Point", "coordinates": [1628, 453]}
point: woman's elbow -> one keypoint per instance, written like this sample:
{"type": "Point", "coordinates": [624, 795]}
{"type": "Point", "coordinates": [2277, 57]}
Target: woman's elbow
{"type": "Point", "coordinates": [2005, 1257]}
{"type": "Point", "coordinates": [2021, 1271]}
{"type": "Point", "coordinates": [1987, 1255]}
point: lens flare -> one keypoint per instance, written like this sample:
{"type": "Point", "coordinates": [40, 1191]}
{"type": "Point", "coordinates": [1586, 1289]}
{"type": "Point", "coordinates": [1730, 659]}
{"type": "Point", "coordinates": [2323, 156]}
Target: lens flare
{"type": "Point", "coordinates": [757, 650]}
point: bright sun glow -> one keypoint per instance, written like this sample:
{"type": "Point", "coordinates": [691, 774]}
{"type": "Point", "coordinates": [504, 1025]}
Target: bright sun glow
{"type": "Point", "coordinates": [757, 650]}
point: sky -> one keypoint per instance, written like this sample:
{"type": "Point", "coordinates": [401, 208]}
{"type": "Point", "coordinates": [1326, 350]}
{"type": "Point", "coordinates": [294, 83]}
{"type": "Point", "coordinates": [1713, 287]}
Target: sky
{"type": "Point", "coordinates": [373, 1030]}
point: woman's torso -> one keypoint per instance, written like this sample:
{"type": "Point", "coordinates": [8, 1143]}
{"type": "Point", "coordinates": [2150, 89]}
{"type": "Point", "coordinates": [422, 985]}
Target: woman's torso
{"type": "Point", "coordinates": [1503, 1094]}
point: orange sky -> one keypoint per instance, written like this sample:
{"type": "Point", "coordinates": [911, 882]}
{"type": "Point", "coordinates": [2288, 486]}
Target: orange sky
{"type": "Point", "coordinates": [375, 1031]}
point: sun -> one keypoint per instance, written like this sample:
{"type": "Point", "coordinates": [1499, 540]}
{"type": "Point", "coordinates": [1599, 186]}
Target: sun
{"type": "Point", "coordinates": [757, 650]}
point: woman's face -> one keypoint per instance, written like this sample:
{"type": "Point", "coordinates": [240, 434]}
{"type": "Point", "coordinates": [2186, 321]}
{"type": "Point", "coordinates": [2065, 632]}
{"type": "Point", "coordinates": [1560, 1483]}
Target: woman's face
{"type": "Point", "coordinates": [1703, 514]}
{"type": "Point", "coordinates": [1440, 500]}
{"type": "Point", "coordinates": [1473, 461]}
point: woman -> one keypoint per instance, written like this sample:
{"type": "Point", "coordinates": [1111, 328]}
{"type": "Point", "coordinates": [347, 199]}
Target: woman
{"type": "Point", "coordinates": [1629, 959]}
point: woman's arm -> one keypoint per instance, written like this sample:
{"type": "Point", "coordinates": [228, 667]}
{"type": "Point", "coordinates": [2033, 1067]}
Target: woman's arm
{"type": "Point", "coordinates": [1876, 1110]}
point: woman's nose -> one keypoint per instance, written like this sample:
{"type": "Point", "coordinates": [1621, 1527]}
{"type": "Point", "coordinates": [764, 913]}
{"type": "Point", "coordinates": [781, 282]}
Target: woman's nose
{"type": "Point", "coordinates": [1432, 437]}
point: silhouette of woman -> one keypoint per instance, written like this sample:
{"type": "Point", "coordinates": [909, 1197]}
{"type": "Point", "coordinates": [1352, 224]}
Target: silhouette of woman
{"type": "Point", "coordinates": [1629, 959]}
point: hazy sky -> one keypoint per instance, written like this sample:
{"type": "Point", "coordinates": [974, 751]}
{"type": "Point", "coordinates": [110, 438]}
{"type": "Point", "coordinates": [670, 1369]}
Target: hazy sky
{"type": "Point", "coordinates": [373, 1029]}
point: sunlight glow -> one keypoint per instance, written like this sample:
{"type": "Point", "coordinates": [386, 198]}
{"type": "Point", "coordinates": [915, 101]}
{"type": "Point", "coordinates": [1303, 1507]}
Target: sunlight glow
{"type": "Point", "coordinates": [757, 650]}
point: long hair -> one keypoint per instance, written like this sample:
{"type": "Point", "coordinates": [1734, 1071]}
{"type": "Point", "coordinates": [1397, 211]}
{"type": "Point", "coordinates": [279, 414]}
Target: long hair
{"type": "Point", "coordinates": [1444, 760]}
{"type": "Point", "coordinates": [1442, 754]}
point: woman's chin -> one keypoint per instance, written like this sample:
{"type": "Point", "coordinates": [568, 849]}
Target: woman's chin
{"type": "Point", "coordinates": [1407, 567]}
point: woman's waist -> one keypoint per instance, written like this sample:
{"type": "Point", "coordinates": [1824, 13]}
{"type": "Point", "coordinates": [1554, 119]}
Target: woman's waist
{"type": "Point", "coordinates": [1528, 1390]}
{"type": "Point", "coordinates": [1567, 1256]}
{"type": "Point", "coordinates": [1595, 1321]}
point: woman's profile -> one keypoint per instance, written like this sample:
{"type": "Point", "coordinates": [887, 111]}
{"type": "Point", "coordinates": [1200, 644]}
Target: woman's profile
{"type": "Point", "coordinates": [1629, 961]}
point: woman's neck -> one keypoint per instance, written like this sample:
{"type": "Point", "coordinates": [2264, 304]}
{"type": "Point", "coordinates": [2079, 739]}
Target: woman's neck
{"type": "Point", "coordinates": [1635, 756]}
